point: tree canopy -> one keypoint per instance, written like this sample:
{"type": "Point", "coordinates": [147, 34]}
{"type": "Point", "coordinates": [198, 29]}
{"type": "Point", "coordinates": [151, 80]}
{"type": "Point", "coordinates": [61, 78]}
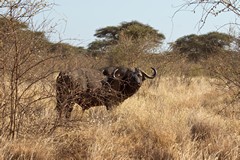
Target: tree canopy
{"type": "Point", "coordinates": [196, 47]}
{"type": "Point", "coordinates": [134, 30]}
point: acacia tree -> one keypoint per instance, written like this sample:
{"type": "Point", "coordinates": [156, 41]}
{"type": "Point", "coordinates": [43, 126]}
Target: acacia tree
{"type": "Point", "coordinates": [197, 47]}
{"type": "Point", "coordinates": [134, 31]}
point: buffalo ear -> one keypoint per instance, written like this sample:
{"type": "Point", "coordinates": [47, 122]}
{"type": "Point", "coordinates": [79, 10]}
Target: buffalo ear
{"type": "Point", "coordinates": [140, 74]}
{"type": "Point", "coordinates": [108, 71]}
{"type": "Point", "coordinates": [105, 72]}
{"type": "Point", "coordinates": [119, 73]}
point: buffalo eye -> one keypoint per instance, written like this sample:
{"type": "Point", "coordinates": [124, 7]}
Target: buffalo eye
{"type": "Point", "coordinates": [118, 75]}
{"type": "Point", "coordinates": [139, 74]}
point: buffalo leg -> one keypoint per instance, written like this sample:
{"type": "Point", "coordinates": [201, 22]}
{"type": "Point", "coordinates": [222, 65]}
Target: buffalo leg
{"type": "Point", "coordinates": [59, 108]}
{"type": "Point", "coordinates": [82, 112]}
{"type": "Point", "coordinates": [64, 108]}
{"type": "Point", "coordinates": [68, 110]}
{"type": "Point", "coordinates": [109, 107]}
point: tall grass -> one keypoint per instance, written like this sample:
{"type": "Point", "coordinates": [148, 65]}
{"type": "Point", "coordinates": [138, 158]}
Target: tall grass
{"type": "Point", "coordinates": [169, 118]}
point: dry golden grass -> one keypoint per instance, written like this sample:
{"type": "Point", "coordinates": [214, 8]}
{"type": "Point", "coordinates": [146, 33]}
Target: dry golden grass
{"type": "Point", "coordinates": [169, 118]}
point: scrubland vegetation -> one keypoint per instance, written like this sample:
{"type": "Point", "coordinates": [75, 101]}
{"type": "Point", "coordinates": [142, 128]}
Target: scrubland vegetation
{"type": "Point", "coordinates": [170, 118]}
{"type": "Point", "coordinates": [191, 110]}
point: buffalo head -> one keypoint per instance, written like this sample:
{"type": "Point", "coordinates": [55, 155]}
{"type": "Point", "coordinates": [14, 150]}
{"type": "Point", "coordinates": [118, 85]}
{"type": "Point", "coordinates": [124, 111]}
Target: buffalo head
{"type": "Point", "coordinates": [127, 80]}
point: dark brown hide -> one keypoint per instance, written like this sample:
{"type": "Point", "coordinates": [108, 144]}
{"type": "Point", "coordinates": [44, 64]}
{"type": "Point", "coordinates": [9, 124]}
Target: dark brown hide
{"type": "Point", "coordinates": [90, 87]}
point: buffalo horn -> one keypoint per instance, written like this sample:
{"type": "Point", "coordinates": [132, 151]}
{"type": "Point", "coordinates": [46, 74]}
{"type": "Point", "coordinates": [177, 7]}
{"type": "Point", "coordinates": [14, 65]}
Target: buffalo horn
{"type": "Point", "coordinates": [114, 72]}
{"type": "Point", "coordinates": [148, 76]}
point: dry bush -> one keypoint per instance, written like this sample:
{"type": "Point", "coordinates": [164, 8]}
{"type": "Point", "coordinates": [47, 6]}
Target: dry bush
{"type": "Point", "coordinates": [225, 67]}
{"type": "Point", "coordinates": [130, 53]}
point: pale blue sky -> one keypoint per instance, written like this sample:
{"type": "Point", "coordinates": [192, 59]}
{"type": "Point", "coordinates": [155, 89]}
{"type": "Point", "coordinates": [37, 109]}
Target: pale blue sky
{"type": "Point", "coordinates": [79, 19]}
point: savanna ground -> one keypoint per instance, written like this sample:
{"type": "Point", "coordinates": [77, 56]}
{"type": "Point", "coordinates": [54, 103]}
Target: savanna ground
{"type": "Point", "coordinates": [169, 118]}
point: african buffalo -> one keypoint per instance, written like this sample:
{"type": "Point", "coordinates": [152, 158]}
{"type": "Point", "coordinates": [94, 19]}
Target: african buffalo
{"type": "Point", "coordinates": [90, 87]}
